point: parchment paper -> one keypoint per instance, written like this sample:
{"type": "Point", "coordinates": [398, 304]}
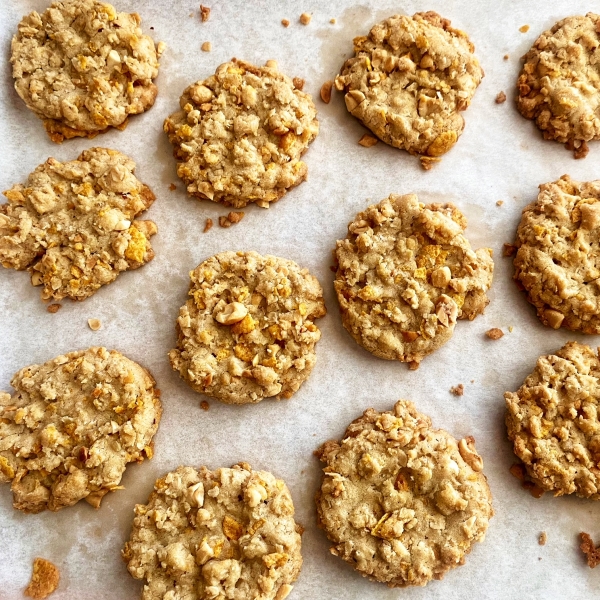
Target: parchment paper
{"type": "Point", "coordinates": [500, 156]}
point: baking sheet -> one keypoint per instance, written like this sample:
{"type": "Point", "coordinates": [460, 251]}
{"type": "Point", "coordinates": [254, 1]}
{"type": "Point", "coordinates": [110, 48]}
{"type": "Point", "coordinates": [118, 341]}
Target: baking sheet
{"type": "Point", "coordinates": [500, 156]}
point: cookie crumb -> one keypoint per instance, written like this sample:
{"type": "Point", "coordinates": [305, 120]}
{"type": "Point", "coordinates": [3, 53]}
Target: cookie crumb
{"type": "Point", "coordinates": [508, 250]}
{"type": "Point", "coordinates": [495, 333]}
{"type": "Point", "coordinates": [500, 98]}
{"type": "Point", "coordinates": [427, 162]}
{"type": "Point", "coordinates": [204, 13]}
{"type": "Point", "coordinates": [472, 381]}
{"type": "Point", "coordinates": [206, 47]}
{"type": "Point", "coordinates": [204, 405]}
{"type": "Point", "coordinates": [543, 538]}
{"type": "Point", "coordinates": [305, 18]}
{"type": "Point", "coordinates": [298, 83]}
{"type": "Point", "coordinates": [160, 48]}
{"type": "Point", "coordinates": [510, 329]}
{"type": "Point", "coordinates": [332, 21]}
{"type": "Point", "coordinates": [517, 470]}
{"type": "Point", "coordinates": [53, 308]}
{"type": "Point", "coordinates": [413, 365]}
{"type": "Point", "coordinates": [588, 548]}
{"type": "Point", "coordinates": [367, 140]}
{"type": "Point", "coordinates": [326, 91]}
{"type": "Point", "coordinates": [506, 57]}
{"type": "Point", "coordinates": [95, 324]}
{"type": "Point", "coordinates": [458, 390]}
{"type": "Point", "coordinates": [499, 202]}
{"type": "Point", "coordinates": [231, 219]}
{"type": "Point", "coordinates": [524, 29]}
{"type": "Point", "coordinates": [285, 22]}
{"type": "Point", "coordinates": [172, 187]}
{"type": "Point", "coordinates": [208, 225]}
{"type": "Point", "coordinates": [44, 579]}
{"type": "Point", "coordinates": [536, 491]}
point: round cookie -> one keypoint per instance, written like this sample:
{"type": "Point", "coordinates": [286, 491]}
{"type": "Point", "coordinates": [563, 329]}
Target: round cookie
{"type": "Point", "coordinates": [72, 225]}
{"type": "Point", "coordinates": [228, 533]}
{"type": "Point", "coordinates": [240, 134]}
{"type": "Point", "coordinates": [402, 502]}
{"type": "Point", "coordinates": [82, 67]}
{"type": "Point", "coordinates": [558, 254]}
{"type": "Point", "coordinates": [559, 85]}
{"type": "Point", "coordinates": [71, 427]}
{"type": "Point", "coordinates": [409, 80]}
{"type": "Point", "coordinates": [552, 421]}
{"type": "Point", "coordinates": [405, 274]}
{"type": "Point", "coordinates": [247, 331]}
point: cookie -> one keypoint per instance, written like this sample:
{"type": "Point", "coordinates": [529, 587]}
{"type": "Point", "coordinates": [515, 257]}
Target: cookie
{"type": "Point", "coordinates": [247, 332]}
{"type": "Point", "coordinates": [553, 424]}
{"type": "Point", "coordinates": [228, 533]}
{"type": "Point", "coordinates": [559, 85]}
{"type": "Point", "coordinates": [82, 67]}
{"type": "Point", "coordinates": [240, 134]}
{"type": "Point", "coordinates": [409, 80]}
{"type": "Point", "coordinates": [558, 254]}
{"type": "Point", "coordinates": [405, 274]}
{"type": "Point", "coordinates": [71, 427]}
{"type": "Point", "coordinates": [72, 225]}
{"type": "Point", "coordinates": [402, 502]}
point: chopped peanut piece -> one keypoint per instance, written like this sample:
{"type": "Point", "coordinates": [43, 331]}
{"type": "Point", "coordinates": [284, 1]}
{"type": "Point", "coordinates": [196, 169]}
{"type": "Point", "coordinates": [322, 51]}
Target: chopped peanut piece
{"type": "Point", "coordinates": [506, 57]}
{"type": "Point", "coordinates": [500, 98]}
{"type": "Point", "coordinates": [326, 91]}
{"type": "Point", "coordinates": [332, 21]}
{"type": "Point", "coordinates": [494, 333]}
{"type": "Point", "coordinates": [524, 29]}
{"type": "Point", "coordinates": [231, 219]}
{"type": "Point", "coordinates": [206, 47]}
{"type": "Point", "coordinates": [204, 13]}
{"type": "Point", "coordinates": [44, 579]}
{"type": "Point", "coordinates": [95, 324]}
{"type": "Point", "coordinates": [305, 18]}
{"type": "Point", "coordinates": [208, 225]}
{"type": "Point", "coordinates": [367, 140]}
{"type": "Point", "coordinates": [285, 22]}
{"type": "Point", "coordinates": [298, 83]}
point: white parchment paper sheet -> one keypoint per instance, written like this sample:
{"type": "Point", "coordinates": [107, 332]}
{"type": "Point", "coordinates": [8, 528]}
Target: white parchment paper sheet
{"type": "Point", "coordinates": [500, 156]}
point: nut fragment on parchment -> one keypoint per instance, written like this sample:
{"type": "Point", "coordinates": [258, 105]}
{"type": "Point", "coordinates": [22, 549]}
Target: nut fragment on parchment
{"type": "Point", "coordinates": [95, 324]}
{"type": "Point", "coordinates": [305, 18]}
{"type": "Point", "coordinates": [495, 333]}
{"type": "Point", "coordinates": [204, 13]}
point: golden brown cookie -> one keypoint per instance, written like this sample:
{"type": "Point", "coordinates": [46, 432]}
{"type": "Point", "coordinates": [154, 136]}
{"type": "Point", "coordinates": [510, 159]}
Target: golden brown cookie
{"type": "Point", "coordinates": [405, 274]}
{"type": "Point", "coordinates": [72, 425]}
{"type": "Point", "coordinates": [402, 502]}
{"type": "Point", "coordinates": [558, 254]}
{"type": "Point", "coordinates": [559, 85]}
{"type": "Point", "coordinates": [409, 80]}
{"type": "Point", "coordinates": [240, 134]}
{"type": "Point", "coordinates": [207, 535]}
{"type": "Point", "coordinates": [82, 67]}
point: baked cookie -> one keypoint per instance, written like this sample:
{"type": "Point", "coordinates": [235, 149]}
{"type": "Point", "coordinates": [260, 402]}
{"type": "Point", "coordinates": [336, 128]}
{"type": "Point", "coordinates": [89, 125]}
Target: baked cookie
{"type": "Point", "coordinates": [72, 425]}
{"type": "Point", "coordinates": [558, 254]}
{"type": "Point", "coordinates": [559, 86]}
{"type": "Point", "coordinates": [82, 67]}
{"type": "Point", "coordinates": [72, 225]}
{"type": "Point", "coordinates": [405, 274]}
{"type": "Point", "coordinates": [409, 80]}
{"type": "Point", "coordinates": [402, 502]}
{"type": "Point", "coordinates": [228, 533]}
{"type": "Point", "coordinates": [240, 134]}
{"type": "Point", "coordinates": [553, 424]}
{"type": "Point", "coordinates": [247, 331]}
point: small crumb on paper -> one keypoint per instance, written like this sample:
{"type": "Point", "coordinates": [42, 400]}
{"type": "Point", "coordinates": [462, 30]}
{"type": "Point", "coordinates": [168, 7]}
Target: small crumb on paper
{"type": "Point", "coordinates": [271, 64]}
{"type": "Point", "coordinates": [231, 219]}
{"type": "Point", "coordinates": [367, 140]}
{"type": "Point", "coordinates": [298, 83]}
{"type": "Point", "coordinates": [524, 29]}
{"type": "Point", "coordinates": [332, 21]}
{"type": "Point", "coordinates": [588, 548]}
{"type": "Point", "coordinates": [204, 405]}
{"type": "Point", "coordinates": [500, 98]}
{"type": "Point", "coordinates": [495, 333]}
{"type": "Point", "coordinates": [160, 48]}
{"type": "Point", "coordinates": [172, 187]}
{"type": "Point", "coordinates": [208, 225]}
{"type": "Point", "coordinates": [510, 329]}
{"type": "Point", "coordinates": [44, 579]}
{"type": "Point", "coordinates": [499, 202]}
{"type": "Point", "coordinates": [458, 390]}
{"type": "Point", "coordinates": [285, 22]}
{"type": "Point", "coordinates": [95, 324]}
{"type": "Point", "coordinates": [543, 538]}
{"type": "Point", "coordinates": [326, 91]}
{"type": "Point", "coordinates": [427, 162]}
{"type": "Point", "coordinates": [506, 57]}
{"type": "Point", "coordinates": [305, 18]}
{"type": "Point", "coordinates": [206, 47]}
{"type": "Point", "coordinates": [508, 250]}
{"type": "Point", "coordinates": [536, 491]}
{"type": "Point", "coordinates": [53, 308]}
{"type": "Point", "coordinates": [204, 13]}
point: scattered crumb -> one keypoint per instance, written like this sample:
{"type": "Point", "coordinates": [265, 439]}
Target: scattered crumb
{"type": "Point", "coordinates": [543, 538]}
{"type": "Point", "coordinates": [326, 91]}
{"type": "Point", "coordinates": [271, 64]}
{"type": "Point", "coordinates": [298, 83]}
{"type": "Point", "coordinates": [510, 329]}
{"type": "Point", "coordinates": [518, 471]}
{"type": "Point", "coordinates": [508, 250]}
{"type": "Point", "coordinates": [160, 48]}
{"type": "Point", "coordinates": [204, 13]}
{"type": "Point", "coordinates": [53, 308]}
{"type": "Point", "coordinates": [204, 405]}
{"type": "Point", "coordinates": [458, 390]}
{"type": "Point", "coordinates": [231, 219]}
{"type": "Point", "coordinates": [534, 490]}
{"type": "Point", "coordinates": [172, 187]}
{"type": "Point", "coordinates": [413, 365]}
{"type": "Point", "coordinates": [44, 579]}
{"type": "Point", "coordinates": [367, 140]}
{"type": "Point", "coordinates": [285, 22]}
{"type": "Point", "coordinates": [588, 548]}
{"type": "Point", "coordinates": [95, 324]}
{"type": "Point", "coordinates": [500, 98]}
{"type": "Point", "coordinates": [206, 47]}
{"type": "Point", "coordinates": [495, 333]}
{"type": "Point", "coordinates": [427, 162]}
{"type": "Point", "coordinates": [524, 29]}
{"type": "Point", "coordinates": [332, 21]}
{"type": "Point", "coordinates": [499, 202]}
{"type": "Point", "coordinates": [506, 57]}
{"type": "Point", "coordinates": [208, 225]}
{"type": "Point", "coordinates": [191, 14]}
{"type": "Point", "coordinates": [305, 18]}
{"type": "Point", "coordinates": [472, 381]}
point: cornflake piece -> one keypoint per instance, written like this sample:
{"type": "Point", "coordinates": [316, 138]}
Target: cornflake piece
{"type": "Point", "coordinates": [204, 13]}
{"type": "Point", "coordinates": [326, 91]}
{"type": "Point", "coordinates": [208, 225]}
{"type": "Point", "coordinates": [285, 22]}
{"type": "Point", "coordinates": [458, 390]}
{"type": "Point", "coordinates": [44, 579]}
{"type": "Point", "coordinates": [543, 538]}
{"type": "Point", "coordinates": [367, 140]}
{"type": "Point", "coordinates": [305, 18]}
{"type": "Point", "coordinates": [592, 553]}
{"type": "Point", "coordinates": [53, 308]}
{"type": "Point", "coordinates": [95, 324]}
{"type": "Point", "coordinates": [501, 98]}
{"type": "Point", "coordinates": [231, 219]}
{"type": "Point", "coordinates": [206, 47]}
{"type": "Point", "coordinates": [494, 333]}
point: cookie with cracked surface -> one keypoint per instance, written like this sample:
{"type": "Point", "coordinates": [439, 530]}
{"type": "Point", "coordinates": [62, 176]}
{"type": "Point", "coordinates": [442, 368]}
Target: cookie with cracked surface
{"type": "Point", "coordinates": [402, 502]}
{"type": "Point", "coordinates": [82, 67]}
{"type": "Point", "coordinates": [405, 274]}
{"type": "Point", "coordinates": [553, 424]}
{"type": "Point", "coordinates": [409, 81]}
{"type": "Point", "coordinates": [559, 85]}
{"type": "Point", "coordinates": [204, 534]}
{"type": "Point", "coordinates": [240, 135]}
{"type": "Point", "coordinates": [72, 425]}
{"type": "Point", "coordinates": [247, 332]}
{"type": "Point", "coordinates": [72, 225]}
{"type": "Point", "coordinates": [558, 254]}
